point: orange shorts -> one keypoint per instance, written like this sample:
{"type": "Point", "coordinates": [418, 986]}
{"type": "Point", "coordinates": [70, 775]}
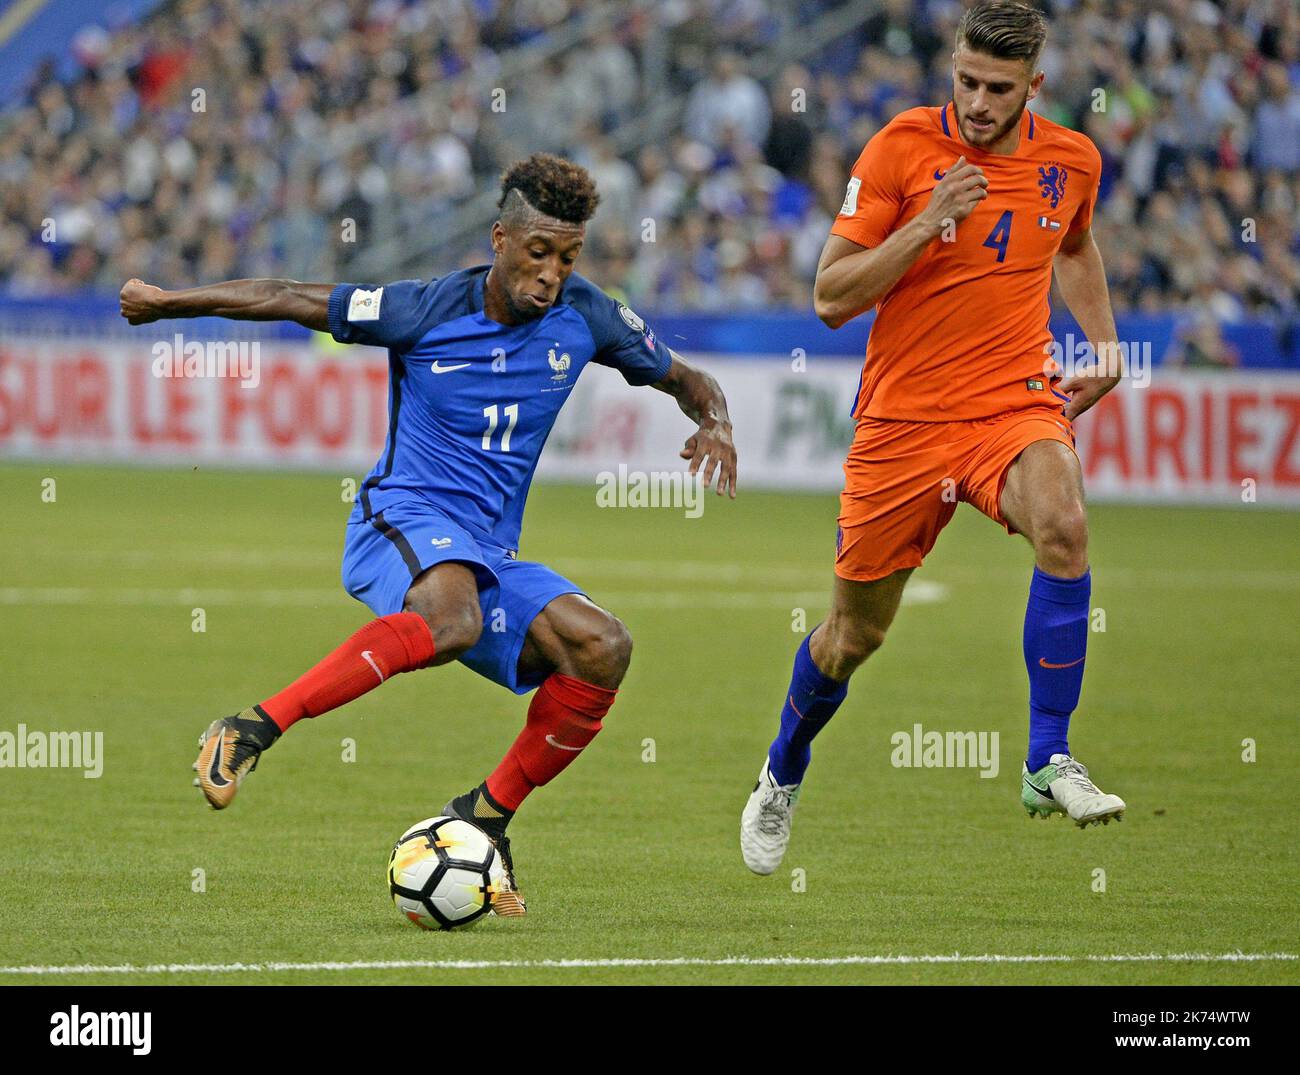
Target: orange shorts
{"type": "Point", "coordinates": [903, 481]}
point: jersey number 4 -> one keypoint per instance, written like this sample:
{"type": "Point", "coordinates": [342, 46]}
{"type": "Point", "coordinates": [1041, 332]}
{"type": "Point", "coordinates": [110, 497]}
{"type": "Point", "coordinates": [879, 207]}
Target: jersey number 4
{"type": "Point", "coordinates": [512, 417]}
{"type": "Point", "coordinates": [1000, 236]}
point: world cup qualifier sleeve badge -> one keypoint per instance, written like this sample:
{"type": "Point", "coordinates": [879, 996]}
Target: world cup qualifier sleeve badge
{"type": "Point", "coordinates": [636, 323]}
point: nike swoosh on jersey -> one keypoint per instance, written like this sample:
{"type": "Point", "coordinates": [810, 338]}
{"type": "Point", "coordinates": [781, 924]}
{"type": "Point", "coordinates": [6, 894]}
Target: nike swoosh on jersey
{"type": "Point", "coordinates": [938, 174]}
{"type": "Point", "coordinates": [556, 743]}
{"type": "Point", "coordinates": [448, 369]}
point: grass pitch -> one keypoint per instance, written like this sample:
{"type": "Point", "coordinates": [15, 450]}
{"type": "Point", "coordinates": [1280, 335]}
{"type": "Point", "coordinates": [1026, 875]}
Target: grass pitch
{"type": "Point", "coordinates": [624, 858]}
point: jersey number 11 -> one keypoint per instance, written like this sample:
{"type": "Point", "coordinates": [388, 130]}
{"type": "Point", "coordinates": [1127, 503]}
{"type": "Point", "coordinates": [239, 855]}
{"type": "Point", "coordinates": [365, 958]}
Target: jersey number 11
{"type": "Point", "coordinates": [512, 417]}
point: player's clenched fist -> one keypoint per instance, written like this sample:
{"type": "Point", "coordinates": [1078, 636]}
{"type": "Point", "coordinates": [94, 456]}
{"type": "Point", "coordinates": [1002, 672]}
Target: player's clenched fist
{"type": "Point", "coordinates": [962, 188]}
{"type": "Point", "coordinates": [139, 302]}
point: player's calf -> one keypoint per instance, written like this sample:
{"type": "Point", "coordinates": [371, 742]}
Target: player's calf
{"type": "Point", "coordinates": [382, 649]}
{"type": "Point", "coordinates": [564, 716]}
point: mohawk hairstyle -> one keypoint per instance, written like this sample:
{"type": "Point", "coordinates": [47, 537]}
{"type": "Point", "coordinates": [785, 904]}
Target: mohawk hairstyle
{"type": "Point", "coordinates": [1009, 31]}
{"type": "Point", "coordinates": [551, 185]}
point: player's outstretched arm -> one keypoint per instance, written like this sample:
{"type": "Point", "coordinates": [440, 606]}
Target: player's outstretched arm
{"type": "Point", "coordinates": [1082, 279]}
{"type": "Point", "coordinates": [701, 400]}
{"type": "Point", "coordinates": [241, 300]}
{"type": "Point", "coordinates": [852, 278]}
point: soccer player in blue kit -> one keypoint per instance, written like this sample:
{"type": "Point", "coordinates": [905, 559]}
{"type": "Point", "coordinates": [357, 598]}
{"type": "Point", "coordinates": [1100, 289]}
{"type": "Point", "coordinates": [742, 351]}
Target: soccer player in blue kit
{"type": "Point", "coordinates": [480, 363]}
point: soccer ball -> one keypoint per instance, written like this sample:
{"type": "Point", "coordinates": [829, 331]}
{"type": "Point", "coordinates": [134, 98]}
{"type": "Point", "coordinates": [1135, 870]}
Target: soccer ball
{"type": "Point", "coordinates": [444, 873]}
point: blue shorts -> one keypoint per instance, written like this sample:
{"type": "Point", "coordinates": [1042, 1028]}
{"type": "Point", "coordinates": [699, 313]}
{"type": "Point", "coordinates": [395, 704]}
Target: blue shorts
{"type": "Point", "coordinates": [383, 556]}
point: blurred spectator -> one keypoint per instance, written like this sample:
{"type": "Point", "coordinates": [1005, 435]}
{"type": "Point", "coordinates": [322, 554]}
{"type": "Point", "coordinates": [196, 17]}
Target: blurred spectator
{"type": "Point", "coordinates": [1277, 123]}
{"type": "Point", "coordinates": [728, 102]}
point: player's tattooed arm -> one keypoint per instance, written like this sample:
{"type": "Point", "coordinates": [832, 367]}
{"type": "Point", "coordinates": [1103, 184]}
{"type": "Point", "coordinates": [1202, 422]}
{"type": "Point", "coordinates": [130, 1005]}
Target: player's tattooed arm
{"type": "Point", "coordinates": [852, 278]}
{"type": "Point", "coordinates": [709, 448]}
{"type": "Point", "coordinates": [240, 300]}
{"type": "Point", "coordinates": [1082, 279]}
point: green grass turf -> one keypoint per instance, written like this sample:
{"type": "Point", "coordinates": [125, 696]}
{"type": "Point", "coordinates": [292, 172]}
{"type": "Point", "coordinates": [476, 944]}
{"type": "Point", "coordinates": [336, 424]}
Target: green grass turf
{"type": "Point", "coordinates": [621, 858]}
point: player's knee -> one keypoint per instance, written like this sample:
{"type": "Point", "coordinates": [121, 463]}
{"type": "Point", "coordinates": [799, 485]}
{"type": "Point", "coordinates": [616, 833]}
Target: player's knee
{"type": "Point", "coordinates": [455, 627]}
{"type": "Point", "coordinates": [1061, 542]}
{"type": "Point", "coordinates": [603, 653]}
{"type": "Point", "coordinates": [460, 630]}
{"type": "Point", "coordinates": [850, 644]}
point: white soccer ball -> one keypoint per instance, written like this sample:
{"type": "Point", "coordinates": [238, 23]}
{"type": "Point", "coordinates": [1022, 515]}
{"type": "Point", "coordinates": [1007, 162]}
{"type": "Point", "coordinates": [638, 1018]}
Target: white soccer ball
{"type": "Point", "coordinates": [444, 873]}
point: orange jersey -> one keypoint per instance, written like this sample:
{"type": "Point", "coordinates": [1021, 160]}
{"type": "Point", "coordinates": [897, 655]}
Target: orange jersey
{"type": "Point", "coordinates": [963, 334]}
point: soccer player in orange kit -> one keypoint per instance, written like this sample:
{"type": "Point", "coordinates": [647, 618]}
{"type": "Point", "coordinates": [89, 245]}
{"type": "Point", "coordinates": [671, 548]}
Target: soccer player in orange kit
{"type": "Point", "coordinates": [953, 222]}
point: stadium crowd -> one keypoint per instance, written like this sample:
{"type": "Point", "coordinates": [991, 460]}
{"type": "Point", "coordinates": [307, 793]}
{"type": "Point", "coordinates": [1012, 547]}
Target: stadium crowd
{"type": "Point", "coordinates": [318, 112]}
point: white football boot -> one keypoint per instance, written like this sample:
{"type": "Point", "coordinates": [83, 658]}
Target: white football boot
{"type": "Point", "coordinates": [1063, 786]}
{"type": "Point", "coordinates": [765, 823]}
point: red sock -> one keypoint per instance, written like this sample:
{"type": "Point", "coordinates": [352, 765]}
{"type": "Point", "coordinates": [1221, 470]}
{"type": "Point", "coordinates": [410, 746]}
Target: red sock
{"type": "Point", "coordinates": [382, 648]}
{"type": "Point", "coordinates": [563, 718]}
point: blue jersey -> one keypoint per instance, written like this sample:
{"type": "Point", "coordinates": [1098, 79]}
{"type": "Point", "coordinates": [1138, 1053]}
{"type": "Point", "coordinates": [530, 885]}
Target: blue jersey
{"type": "Point", "coordinates": [471, 401]}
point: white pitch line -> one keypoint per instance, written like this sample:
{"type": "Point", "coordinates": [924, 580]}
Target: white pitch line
{"type": "Point", "coordinates": [580, 964]}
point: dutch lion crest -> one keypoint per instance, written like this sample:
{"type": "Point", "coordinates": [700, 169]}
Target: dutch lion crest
{"type": "Point", "coordinates": [1051, 182]}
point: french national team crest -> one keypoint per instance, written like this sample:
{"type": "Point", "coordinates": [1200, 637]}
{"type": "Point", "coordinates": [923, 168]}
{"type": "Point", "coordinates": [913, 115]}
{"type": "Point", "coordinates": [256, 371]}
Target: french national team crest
{"type": "Point", "coordinates": [1051, 182]}
{"type": "Point", "coordinates": [560, 365]}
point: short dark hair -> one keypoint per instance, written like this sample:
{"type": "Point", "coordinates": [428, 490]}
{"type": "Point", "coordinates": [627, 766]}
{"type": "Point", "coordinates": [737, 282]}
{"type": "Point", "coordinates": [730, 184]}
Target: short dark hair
{"type": "Point", "coordinates": [1007, 30]}
{"type": "Point", "coordinates": [551, 185]}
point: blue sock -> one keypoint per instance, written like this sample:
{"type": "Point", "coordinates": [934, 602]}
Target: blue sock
{"type": "Point", "coordinates": [1055, 640]}
{"type": "Point", "coordinates": [809, 703]}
